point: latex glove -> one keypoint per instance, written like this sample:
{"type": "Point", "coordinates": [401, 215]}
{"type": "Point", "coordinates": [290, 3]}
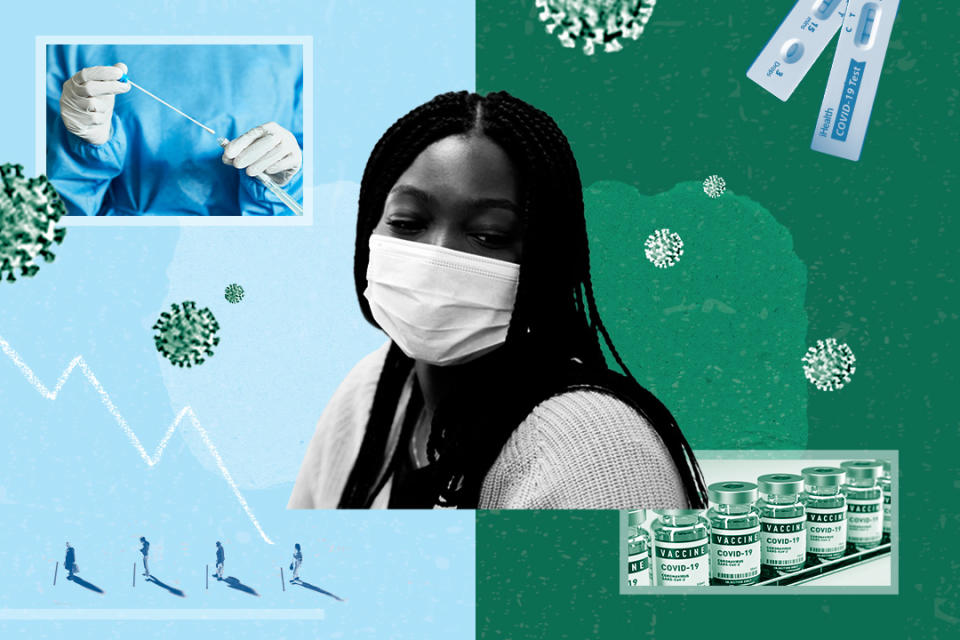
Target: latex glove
{"type": "Point", "coordinates": [269, 149]}
{"type": "Point", "coordinates": [86, 102]}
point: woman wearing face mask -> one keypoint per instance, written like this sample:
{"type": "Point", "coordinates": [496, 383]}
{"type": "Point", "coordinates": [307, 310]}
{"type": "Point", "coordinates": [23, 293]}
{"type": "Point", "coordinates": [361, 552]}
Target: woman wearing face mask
{"type": "Point", "coordinates": [493, 392]}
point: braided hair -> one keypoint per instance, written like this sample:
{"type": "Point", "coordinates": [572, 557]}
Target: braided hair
{"type": "Point", "coordinates": [553, 343]}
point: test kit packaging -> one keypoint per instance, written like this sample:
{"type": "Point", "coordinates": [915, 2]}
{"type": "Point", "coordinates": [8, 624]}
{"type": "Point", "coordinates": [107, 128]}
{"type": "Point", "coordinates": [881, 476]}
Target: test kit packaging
{"type": "Point", "coordinates": [796, 44]}
{"type": "Point", "coordinates": [852, 87]}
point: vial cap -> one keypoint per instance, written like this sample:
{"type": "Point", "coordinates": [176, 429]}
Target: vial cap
{"type": "Point", "coordinates": [678, 512]}
{"type": "Point", "coordinates": [636, 517]}
{"type": "Point", "coordinates": [732, 492]}
{"type": "Point", "coordinates": [863, 469]}
{"type": "Point", "coordinates": [780, 484]}
{"type": "Point", "coordinates": [824, 476]}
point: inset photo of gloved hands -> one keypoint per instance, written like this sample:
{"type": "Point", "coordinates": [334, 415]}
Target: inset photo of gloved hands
{"type": "Point", "coordinates": [192, 132]}
{"type": "Point", "coordinates": [267, 148]}
{"type": "Point", "coordinates": [86, 103]}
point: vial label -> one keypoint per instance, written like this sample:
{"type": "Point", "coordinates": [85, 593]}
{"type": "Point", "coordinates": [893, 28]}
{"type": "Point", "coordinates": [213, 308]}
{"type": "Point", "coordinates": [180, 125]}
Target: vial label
{"type": "Point", "coordinates": [735, 555]}
{"type": "Point", "coordinates": [886, 512]}
{"type": "Point", "coordinates": [783, 542]}
{"type": "Point", "coordinates": [682, 564]}
{"type": "Point", "coordinates": [826, 530]}
{"type": "Point", "coordinates": [864, 521]}
{"type": "Point", "coordinates": [638, 569]}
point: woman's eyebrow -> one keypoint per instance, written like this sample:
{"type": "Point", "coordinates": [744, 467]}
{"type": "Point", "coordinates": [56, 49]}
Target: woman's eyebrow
{"type": "Point", "coordinates": [495, 203]}
{"type": "Point", "coordinates": [414, 192]}
{"type": "Point", "coordinates": [474, 203]}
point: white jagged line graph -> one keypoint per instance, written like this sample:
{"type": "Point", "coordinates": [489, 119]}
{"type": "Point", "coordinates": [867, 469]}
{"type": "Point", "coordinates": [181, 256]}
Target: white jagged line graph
{"type": "Point", "coordinates": [112, 408]}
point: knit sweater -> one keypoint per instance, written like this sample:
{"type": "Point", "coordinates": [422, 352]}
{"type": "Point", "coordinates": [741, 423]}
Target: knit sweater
{"type": "Point", "coordinates": [581, 449]}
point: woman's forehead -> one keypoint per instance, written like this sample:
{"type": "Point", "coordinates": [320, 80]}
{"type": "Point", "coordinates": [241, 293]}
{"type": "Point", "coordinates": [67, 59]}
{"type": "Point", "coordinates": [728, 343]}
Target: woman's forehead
{"type": "Point", "coordinates": [470, 167]}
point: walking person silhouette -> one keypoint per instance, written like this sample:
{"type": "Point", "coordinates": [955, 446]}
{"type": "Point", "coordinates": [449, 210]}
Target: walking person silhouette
{"type": "Point", "coordinates": [145, 550]}
{"type": "Point", "coordinates": [295, 565]}
{"type": "Point", "coordinates": [220, 557]}
{"type": "Point", "coordinates": [70, 562]}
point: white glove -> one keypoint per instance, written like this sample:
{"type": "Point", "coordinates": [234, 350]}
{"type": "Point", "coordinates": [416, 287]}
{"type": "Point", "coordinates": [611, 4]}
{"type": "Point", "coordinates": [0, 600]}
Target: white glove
{"type": "Point", "coordinates": [268, 149]}
{"type": "Point", "coordinates": [86, 103]}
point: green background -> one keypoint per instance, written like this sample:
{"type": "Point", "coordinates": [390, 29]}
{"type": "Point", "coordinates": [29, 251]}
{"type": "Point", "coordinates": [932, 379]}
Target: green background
{"type": "Point", "coordinates": [879, 242]}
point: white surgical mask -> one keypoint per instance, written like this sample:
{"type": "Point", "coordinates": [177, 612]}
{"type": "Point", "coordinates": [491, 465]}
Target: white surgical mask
{"type": "Point", "coordinates": [439, 305]}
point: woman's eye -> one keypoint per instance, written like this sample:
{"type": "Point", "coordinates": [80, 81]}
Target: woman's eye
{"type": "Point", "coordinates": [492, 240]}
{"type": "Point", "coordinates": [405, 226]}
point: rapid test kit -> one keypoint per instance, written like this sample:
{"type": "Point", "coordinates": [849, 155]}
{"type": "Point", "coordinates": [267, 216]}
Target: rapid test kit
{"type": "Point", "coordinates": [865, 27]}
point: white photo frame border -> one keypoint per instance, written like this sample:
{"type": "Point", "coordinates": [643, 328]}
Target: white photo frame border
{"type": "Point", "coordinates": [40, 135]}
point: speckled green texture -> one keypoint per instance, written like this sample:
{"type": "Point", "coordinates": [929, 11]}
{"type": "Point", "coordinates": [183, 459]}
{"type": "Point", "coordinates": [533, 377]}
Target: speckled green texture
{"type": "Point", "coordinates": [879, 238]}
{"type": "Point", "coordinates": [718, 336]}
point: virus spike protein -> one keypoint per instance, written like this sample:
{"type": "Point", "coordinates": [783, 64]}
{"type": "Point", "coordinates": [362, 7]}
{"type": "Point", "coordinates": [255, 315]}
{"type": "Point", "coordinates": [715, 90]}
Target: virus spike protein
{"type": "Point", "coordinates": [186, 334]}
{"type": "Point", "coordinates": [595, 22]}
{"type": "Point", "coordinates": [233, 293]}
{"type": "Point", "coordinates": [829, 366]}
{"type": "Point", "coordinates": [29, 211]}
{"type": "Point", "coordinates": [663, 248]}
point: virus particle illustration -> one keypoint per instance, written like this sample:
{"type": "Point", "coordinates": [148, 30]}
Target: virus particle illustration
{"type": "Point", "coordinates": [663, 248]}
{"type": "Point", "coordinates": [595, 22]}
{"type": "Point", "coordinates": [829, 365]}
{"type": "Point", "coordinates": [233, 293]}
{"type": "Point", "coordinates": [29, 211]}
{"type": "Point", "coordinates": [714, 186]}
{"type": "Point", "coordinates": [186, 334]}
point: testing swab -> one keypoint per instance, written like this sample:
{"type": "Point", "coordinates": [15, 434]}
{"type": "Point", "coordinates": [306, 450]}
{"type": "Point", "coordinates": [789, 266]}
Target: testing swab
{"type": "Point", "coordinates": [167, 104]}
{"type": "Point", "coordinates": [274, 188]}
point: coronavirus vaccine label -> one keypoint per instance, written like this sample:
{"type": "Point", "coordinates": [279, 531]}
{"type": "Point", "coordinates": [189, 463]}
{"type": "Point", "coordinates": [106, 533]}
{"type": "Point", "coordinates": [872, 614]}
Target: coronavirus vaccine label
{"type": "Point", "coordinates": [638, 569]}
{"type": "Point", "coordinates": [864, 521]}
{"type": "Point", "coordinates": [783, 542]}
{"type": "Point", "coordinates": [735, 555]}
{"type": "Point", "coordinates": [886, 512]}
{"type": "Point", "coordinates": [682, 564]}
{"type": "Point", "coordinates": [826, 530]}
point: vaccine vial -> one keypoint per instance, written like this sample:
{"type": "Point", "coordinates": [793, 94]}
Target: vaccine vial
{"type": "Point", "coordinates": [864, 503]}
{"type": "Point", "coordinates": [734, 533]}
{"type": "Point", "coordinates": [885, 487]}
{"type": "Point", "coordinates": [826, 507]}
{"type": "Point", "coordinates": [783, 537]}
{"type": "Point", "coordinates": [638, 550]}
{"type": "Point", "coordinates": [681, 548]}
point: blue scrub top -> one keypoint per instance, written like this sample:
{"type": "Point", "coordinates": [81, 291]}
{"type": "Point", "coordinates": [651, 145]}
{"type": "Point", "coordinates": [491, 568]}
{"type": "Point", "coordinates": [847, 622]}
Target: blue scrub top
{"type": "Point", "coordinates": [158, 163]}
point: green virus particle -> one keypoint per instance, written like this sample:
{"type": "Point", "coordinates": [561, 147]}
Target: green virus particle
{"type": "Point", "coordinates": [29, 211]}
{"type": "Point", "coordinates": [663, 248]}
{"type": "Point", "coordinates": [595, 22]}
{"type": "Point", "coordinates": [829, 365]}
{"type": "Point", "coordinates": [714, 186]}
{"type": "Point", "coordinates": [233, 293]}
{"type": "Point", "coordinates": [186, 334]}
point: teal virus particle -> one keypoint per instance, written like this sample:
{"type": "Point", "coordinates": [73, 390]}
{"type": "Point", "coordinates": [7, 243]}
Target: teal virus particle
{"type": "Point", "coordinates": [186, 334]}
{"type": "Point", "coordinates": [714, 186]}
{"type": "Point", "coordinates": [29, 211]}
{"type": "Point", "coordinates": [233, 293]}
{"type": "Point", "coordinates": [663, 248]}
{"type": "Point", "coordinates": [595, 22]}
{"type": "Point", "coordinates": [828, 366]}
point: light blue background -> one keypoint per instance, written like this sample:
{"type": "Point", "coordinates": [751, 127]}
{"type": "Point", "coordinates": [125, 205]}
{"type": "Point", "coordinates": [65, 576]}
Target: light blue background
{"type": "Point", "coordinates": [69, 472]}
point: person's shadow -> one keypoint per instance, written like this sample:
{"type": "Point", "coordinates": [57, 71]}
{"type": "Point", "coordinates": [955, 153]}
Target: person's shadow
{"type": "Point", "coordinates": [312, 587]}
{"type": "Point", "coordinates": [172, 590]}
{"type": "Point", "coordinates": [233, 583]}
{"type": "Point", "coordinates": [83, 583]}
